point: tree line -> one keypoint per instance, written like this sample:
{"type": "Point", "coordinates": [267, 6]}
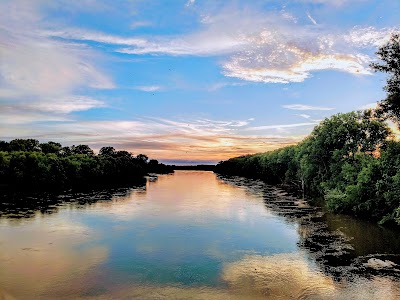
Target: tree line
{"type": "Point", "coordinates": [27, 163]}
{"type": "Point", "coordinates": [350, 159]}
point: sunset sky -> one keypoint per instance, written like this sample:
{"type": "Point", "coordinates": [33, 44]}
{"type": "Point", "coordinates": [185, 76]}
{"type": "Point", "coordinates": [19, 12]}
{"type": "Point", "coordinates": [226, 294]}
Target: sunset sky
{"type": "Point", "coordinates": [186, 81]}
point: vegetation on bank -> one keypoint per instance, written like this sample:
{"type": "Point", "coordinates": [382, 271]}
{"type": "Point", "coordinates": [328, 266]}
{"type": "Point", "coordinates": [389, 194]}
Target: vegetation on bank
{"type": "Point", "coordinates": [28, 163]}
{"type": "Point", "coordinates": [351, 159]}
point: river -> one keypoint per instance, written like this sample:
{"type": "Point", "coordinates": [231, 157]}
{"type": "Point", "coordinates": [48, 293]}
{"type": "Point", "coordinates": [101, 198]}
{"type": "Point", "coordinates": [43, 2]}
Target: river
{"type": "Point", "coordinates": [189, 235]}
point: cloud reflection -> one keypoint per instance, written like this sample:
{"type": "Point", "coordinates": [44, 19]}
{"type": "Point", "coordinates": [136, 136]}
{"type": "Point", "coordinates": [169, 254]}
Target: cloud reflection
{"type": "Point", "coordinates": [47, 259]}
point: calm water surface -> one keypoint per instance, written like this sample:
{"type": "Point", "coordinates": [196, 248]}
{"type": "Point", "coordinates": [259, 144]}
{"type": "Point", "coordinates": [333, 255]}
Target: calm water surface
{"type": "Point", "coordinates": [188, 235]}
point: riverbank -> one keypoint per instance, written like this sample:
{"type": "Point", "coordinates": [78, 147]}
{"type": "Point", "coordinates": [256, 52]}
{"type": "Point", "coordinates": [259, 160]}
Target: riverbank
{"type": "Point", "coordinates": [30, 165]}
{"type": "Point", "coordinates": [338, 243]}
{"type": "Point", "coordinates": [349, 160]}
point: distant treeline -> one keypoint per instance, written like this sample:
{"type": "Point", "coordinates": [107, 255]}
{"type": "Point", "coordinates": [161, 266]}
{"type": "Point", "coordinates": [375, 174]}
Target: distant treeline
{"type": "Point", "coordinates": [26, 163]}
{"type": "Point", "coordinates": [348, 159]}
{"type": "Point", "coordinates": [195, 167]}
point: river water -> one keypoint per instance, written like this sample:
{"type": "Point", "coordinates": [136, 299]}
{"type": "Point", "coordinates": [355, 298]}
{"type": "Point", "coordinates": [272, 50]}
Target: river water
{"type": "Point", "coordinates": [188, 235]}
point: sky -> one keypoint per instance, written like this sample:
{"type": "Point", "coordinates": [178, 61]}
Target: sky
{"type": "Point", "coordinates": [186, 81]}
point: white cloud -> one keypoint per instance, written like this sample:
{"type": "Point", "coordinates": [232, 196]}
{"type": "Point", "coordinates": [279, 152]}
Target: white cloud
{"type": "Point", "coordinates": [190, 3]}
{"type": "Point", "coordinates": [306, 107]}
{"type": "Point", "coordinates": [280, 126]}
{"type": "Point", "coordinates": [368, 36]}
{"type": "Point", "coordinates": [331, 2]}
{"type": "Point", "coordinates": [148, 88]}
{"type": "Point", "coordinates": [219, 85]}
{"type": "Point", "coordinates": [259, 47]}
{"type": "Point", "coordinates": [138, 24]}
{"type": "Point", "coordinates": [304, 116]}
{"type": "Point", "coordinates": [311, 19]}
{"type": "Point", "coordinates": [67, 104]}
{"type": "Point", "coordinates": [372, 105]}
{"type": "Point", "coordinates": [38, 73]}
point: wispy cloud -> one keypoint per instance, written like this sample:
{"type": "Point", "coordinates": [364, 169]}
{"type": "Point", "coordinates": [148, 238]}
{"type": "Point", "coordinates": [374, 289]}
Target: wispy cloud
{"type": "Point", "coordinates": [190, 3]}
{"type": "Point", "coordinates": [139, 24]}
{"type": "Point", "coordinates": [199, 139]}
{"type": "Point", "coordinates": [219, 85]}
{"type": "Point", "coordinates": [39, 69]}
{"type": "Point", "coordinates": [260, 47]}
{"type": "Point", "coordinates": [304, 116]}
{"type": "Point", "coordinates": [67, 104]}
{"type": "Point", "coordinates": [372, 105]}
{"type": "Point", "coordinates": [337, 3]}
{"type": "Point", "coordinates": [280, 126]}
{"type": "Point", "coordinates": [311, 19]}
{"type": "Point", "coordinates": [148, 88]}
{"type": "Point", "coordinates": [306, 107]}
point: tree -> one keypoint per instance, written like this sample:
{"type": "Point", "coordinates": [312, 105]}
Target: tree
{"type": "Point", "coordinates": [65, 151]}
{"type": "Point", "coordinates": [142, 158]}
{"type": "Point", "coordinates": [82, 149]}
{"type": "Point", "coordinates": [50, 147]}
{"type": "Point", "coordinates": [4, 146]}
{"type": "Point", "coordinates": [389, 54]}
{"type": "Point", "coordinates": [24, 145]}
{"type": "Point", "coordinates": [107, 151]}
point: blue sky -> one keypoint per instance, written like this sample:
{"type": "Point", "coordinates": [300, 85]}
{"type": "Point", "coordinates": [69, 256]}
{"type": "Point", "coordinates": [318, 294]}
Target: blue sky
{"type": "Point", "coordinates": [186, 80]}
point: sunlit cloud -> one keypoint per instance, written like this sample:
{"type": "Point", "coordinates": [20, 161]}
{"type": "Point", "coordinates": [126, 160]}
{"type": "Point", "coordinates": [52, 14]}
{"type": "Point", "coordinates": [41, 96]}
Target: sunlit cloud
{"type": "Point", "coordinates": [298, 64]}
{"type": "Point", "coordinates": [306, 107]}
{"type": "Point", "coordinates": [199, 139]}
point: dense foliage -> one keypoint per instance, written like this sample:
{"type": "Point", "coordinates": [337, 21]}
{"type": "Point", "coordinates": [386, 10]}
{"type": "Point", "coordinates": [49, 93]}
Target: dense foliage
{"type": "Point", "coordinates": [349, 159]}
{"type": "Point", "coordinates": [389, 56]}
{"type": "Point", "coordinates": [28, 163]}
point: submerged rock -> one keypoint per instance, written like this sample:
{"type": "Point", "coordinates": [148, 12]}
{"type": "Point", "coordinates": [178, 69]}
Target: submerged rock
{"type": "Point", "coordinates": [378, 264]}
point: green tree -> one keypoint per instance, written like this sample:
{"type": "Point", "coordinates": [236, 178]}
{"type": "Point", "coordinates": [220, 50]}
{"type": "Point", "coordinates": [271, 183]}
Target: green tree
{"type": "Point", "coordinates": [142, 158]}
{"type": "Point", "coordinates": [24, 145]}
{"type": "Point", "coordinates": [107, 151]}
{"type": "Point", "coordinates": [389, 55]}
{"type": "Point", "coordinates": [50, 147]}
{"type": "Point", "coordinates": [4, 146]}
{"type": "Point", "coordinates": [82, 149]}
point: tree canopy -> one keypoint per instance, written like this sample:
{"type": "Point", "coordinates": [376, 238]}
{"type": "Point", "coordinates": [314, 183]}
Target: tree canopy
{"type": "Point", "coordinates": [348, 159]}
{"type": "Point", "coordinates": [49, 166]}
{"type": "Point", "coordinates": [389, 56]}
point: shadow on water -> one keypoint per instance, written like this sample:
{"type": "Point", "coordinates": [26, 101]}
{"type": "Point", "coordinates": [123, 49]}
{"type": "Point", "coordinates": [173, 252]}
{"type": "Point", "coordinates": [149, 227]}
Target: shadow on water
{"type": "Point", "coordinates": [344, 247]}
{"type": "Point", "coordinates": [26, 204]}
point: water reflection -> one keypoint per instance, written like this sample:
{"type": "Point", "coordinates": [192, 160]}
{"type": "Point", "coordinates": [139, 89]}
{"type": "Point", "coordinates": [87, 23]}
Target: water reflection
{"type": "Point", "coordinates": [17, 205]}
{"type": "Point", "coordinates": [182, 236]}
